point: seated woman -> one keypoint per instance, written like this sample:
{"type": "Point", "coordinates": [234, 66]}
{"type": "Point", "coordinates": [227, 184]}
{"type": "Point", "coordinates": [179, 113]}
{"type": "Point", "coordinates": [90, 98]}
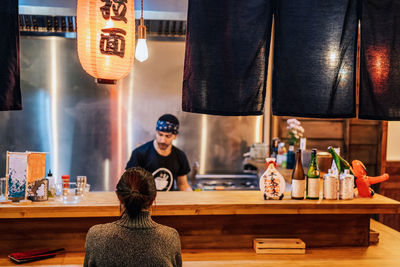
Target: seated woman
{"type": "Point", "coordinates": [135, 239]}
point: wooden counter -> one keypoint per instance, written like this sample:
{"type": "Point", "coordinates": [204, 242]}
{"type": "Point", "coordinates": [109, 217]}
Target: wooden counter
{"type": "Point", "coordinates": [204, 220]}
{"type": "Point", "coordinates": [385, 253]}
{"type": "Point", "coordinates": [105, 204]}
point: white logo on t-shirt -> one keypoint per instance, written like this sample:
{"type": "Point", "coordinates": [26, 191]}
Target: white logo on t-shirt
{"type": "Point", "coordinates": [163, 178]}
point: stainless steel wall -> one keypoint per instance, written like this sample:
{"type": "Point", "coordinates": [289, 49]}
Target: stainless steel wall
{"type": "Point", "coordinates": [91, 129]}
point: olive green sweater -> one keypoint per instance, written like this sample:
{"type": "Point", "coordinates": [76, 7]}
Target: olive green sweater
{"type": "Point", "coordinates": [133, 242]}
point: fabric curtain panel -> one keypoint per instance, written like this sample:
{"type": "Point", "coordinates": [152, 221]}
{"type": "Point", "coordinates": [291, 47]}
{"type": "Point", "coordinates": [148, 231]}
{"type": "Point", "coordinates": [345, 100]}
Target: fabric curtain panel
{"type": "Point", "coordinates": [380, 60]}
{"type": "Point", "coordinates": [226, 57]}
{"type": "Point", "coordinates": [10, 91]}
{"type": "Point", "coordinates": [315, 58]}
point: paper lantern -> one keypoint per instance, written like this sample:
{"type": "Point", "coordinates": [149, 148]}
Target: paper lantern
{"type": "Point", "coordinates": [106, 38]}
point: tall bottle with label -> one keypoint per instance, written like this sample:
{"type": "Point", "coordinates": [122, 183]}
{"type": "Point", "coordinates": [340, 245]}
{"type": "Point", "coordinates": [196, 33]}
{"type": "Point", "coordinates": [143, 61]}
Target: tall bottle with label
{"type": "Point", "coordinates": [346, 185]}
{"type": "Point", "coordinates": [331, 185]}
{"type": "Point", "coordinates": [298, 178]}
{"type": "Point", "coordinates": [312, 184]}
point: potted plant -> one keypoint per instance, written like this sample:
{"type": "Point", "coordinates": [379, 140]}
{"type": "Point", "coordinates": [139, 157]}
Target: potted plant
{"type": "Point", "coordinates": [295, 131]}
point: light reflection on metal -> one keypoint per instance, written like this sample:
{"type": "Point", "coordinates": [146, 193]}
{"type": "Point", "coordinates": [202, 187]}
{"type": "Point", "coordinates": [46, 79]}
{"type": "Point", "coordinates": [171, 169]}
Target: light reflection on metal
{"type": "Point", "coordinates": [116, 165]}
{"type": "Point", "coordinates": [44, 122]}
{"type": "Point", "coordinates": [258, 130]}
{"type": "Point", "coordinates": [378, 64]}
{"type": "Point", "coordinates": [129, 120]}
{"type": "Point", "coordinates": [119, 133]}
{"type": "Point", "coordinates": [106, 176]}
{"type": "Point", "coordinates": [203, 144]}
{"type": "Point", "coordinates": [54, 108]}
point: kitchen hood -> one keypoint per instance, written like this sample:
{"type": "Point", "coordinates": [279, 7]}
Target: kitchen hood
{"type": "Point", "coordinates": [163, 18]}
{"type": "Point", "coordinates": [153, 9]}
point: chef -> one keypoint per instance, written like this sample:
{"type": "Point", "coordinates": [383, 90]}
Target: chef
{"type": "Point", "coordinates": [168, 163]}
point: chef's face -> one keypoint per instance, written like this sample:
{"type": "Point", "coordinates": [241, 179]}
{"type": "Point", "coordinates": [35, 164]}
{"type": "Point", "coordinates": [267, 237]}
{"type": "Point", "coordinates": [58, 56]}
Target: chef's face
{"type": "Point", "coordinates": [164, 140]}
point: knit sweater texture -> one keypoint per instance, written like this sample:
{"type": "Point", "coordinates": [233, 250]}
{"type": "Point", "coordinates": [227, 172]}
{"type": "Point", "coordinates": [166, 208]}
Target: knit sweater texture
{"type": "Point", "coordinates": [133, 242]}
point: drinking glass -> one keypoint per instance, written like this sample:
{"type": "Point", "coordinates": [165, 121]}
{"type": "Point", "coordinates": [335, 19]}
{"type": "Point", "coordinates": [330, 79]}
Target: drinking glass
{"type": "Point", "coordinates": [81, 184]}
{"type": "Point", "coordinates": [3, 188]}
{"type": "Point", "coordinates": [70, 196]}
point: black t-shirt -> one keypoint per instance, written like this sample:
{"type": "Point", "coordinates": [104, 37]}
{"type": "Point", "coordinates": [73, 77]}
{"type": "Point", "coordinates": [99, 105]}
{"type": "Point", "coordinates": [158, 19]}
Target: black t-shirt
{"type": "Point", "coordinates": [164, 169]}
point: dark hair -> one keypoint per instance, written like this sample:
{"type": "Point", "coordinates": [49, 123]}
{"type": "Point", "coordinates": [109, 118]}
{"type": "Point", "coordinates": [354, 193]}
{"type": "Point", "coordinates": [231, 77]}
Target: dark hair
{"type": "Point", "coordinates": [170, 118]}
{"type": "Point", "coordinates": [136, 189]}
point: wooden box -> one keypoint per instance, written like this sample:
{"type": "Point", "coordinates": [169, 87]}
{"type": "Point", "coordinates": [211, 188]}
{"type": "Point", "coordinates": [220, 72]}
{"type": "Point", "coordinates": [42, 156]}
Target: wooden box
{"type": "Point", "coordinates": [279, 246]}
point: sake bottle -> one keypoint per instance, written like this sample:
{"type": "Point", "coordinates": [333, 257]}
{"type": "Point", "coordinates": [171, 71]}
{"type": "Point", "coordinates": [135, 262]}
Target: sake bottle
{"type": "Point", "coordinates": [340, 162]}
{"type": "Point", "coordinates": [298, 178]}
{"type": "Point", "coordinates": [312, 184]}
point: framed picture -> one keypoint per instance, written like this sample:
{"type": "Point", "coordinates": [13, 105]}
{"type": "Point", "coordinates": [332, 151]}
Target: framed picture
{"type": "Point", "coordinates": [17, 171]}
{"type": "Point", "coordinates": [23, 170]}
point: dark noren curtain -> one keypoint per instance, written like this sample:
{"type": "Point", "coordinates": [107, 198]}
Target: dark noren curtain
{"type": "Point", "coordinates": [10, 92]}
{"type": "Point", "coordinates": [314, 58]}
{"type": "Point", "coordinates": [227, 46]}
{"type": "Point", "coordinates": [380, 60]}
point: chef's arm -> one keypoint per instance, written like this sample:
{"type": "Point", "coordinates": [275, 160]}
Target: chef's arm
{"type": "Point", "coordinates": [183, 183]}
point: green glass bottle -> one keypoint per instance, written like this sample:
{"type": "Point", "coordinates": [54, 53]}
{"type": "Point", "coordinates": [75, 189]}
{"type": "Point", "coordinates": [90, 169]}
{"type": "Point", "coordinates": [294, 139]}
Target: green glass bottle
{"type": "Point", "coordinates": [312, 187]}
{"type": "Point", "coordinates": [340, 162]}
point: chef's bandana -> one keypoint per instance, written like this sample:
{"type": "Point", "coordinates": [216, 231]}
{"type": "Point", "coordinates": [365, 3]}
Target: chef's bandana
{"type": "Point", "coordinates": [168, 127]}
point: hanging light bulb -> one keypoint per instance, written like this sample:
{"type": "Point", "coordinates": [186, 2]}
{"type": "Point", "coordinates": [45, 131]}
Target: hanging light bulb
{"type": "Point", "coordinates": [141, 52]}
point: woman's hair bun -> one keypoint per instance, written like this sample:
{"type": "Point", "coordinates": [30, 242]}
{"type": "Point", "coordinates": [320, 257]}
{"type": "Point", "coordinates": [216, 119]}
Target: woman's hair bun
{"type": "Point", "coordinates": [136, 190]}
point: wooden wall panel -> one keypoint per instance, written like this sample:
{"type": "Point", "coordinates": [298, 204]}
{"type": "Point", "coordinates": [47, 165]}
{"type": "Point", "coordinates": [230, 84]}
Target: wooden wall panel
{"type": "Point", "coordinates": [364, 122]}
{"type": "Point", "coordinates": [391, 189]}
{"type": "Point", "coordinates": [317, 129]}
{"type": "Point", "coordinates": [364, 134]}
{"type": "Point", "coordinates": [368, 154]}
{"type": "Point", "coordinates": [322, 145]}
{"type": "Point", "coordinates": [372, 169]}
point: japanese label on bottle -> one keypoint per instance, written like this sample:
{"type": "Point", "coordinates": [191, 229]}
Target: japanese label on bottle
{"type": "Point", "coordinates": [330, 186]}
{"type": "Point", "coordinates": [313, 187]}
{"type": "Point", "coordinates": [346, 187]}
{"type": "Point", "coordinates": [298, 187]}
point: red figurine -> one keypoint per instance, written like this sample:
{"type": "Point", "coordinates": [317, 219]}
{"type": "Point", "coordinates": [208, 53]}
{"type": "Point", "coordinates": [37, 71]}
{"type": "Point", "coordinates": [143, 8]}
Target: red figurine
{"type": "Point", "coordinates": [363, 181]}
